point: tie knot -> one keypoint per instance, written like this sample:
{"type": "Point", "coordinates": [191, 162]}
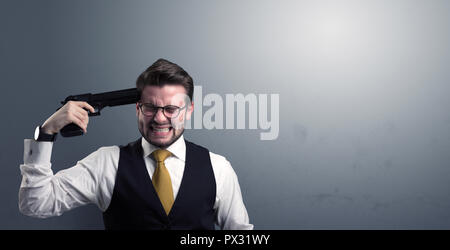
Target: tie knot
{"type": "Point", "coordinates": [161, 154]}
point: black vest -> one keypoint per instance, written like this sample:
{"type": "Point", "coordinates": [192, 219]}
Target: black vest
{"type": "Point", "coordinates": [135, 203]}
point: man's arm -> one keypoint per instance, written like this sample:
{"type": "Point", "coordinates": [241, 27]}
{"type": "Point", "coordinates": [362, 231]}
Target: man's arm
{"type": "Point", "coordinates": [43, 194]}
{"type": "Point", "coordinates": [231, 213]}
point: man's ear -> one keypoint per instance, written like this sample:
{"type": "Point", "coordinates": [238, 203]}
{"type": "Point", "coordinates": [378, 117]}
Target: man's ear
{"type": "Point", "coordinates": [189, 111]}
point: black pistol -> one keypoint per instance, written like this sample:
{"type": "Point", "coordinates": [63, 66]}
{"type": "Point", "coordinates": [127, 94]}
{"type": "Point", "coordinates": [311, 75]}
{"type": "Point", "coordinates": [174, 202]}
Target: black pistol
{"type": "Point", "coordinates": [98, 102]}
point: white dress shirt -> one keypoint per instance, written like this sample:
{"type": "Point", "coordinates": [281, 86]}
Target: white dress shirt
{"type": "Point", "coordinates": [43, 194]}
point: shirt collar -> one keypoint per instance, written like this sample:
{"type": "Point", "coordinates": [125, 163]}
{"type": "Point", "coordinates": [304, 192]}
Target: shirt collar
{"type": "Point", "coordinates": [178, 148]}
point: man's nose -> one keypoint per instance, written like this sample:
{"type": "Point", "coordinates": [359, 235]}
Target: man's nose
{"type": "Point", "coordinates": [159, 116]}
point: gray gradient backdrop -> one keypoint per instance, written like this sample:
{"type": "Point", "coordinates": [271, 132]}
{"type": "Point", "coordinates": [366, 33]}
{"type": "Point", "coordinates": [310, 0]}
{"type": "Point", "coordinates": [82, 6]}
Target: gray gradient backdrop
{"type": "Point", "coordinates": [364, 124]}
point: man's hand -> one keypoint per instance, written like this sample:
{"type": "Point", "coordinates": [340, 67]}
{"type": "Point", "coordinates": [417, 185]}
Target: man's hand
{"type": "Point", "coordinates": [72, 111]}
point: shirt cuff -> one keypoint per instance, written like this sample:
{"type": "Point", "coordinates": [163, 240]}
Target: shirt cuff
{"type": "Point", "coordinates": [37, 152]}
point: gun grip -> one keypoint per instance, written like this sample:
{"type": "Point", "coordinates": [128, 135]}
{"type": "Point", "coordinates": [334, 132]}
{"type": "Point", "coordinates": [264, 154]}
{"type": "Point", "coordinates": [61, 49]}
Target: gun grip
{"type": "Point", "coordinates": [71, 130]}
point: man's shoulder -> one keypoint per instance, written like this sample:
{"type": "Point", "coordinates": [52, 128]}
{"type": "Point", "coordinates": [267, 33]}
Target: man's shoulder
{"type": "Point", "coordinates": [217, 158]}
{"type": "Point", "coordinates": [108, 149]}
{"type": "Point", "coordinates": [104, 152]}
{"type": "Point", "coordinates": [220, 164]}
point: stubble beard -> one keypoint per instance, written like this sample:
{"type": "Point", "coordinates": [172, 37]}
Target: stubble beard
{"type": "Point", "coordinates": [174, 135]}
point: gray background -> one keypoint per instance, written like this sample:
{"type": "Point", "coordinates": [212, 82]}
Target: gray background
{"type": "Point", "coordinates": [364, 124]}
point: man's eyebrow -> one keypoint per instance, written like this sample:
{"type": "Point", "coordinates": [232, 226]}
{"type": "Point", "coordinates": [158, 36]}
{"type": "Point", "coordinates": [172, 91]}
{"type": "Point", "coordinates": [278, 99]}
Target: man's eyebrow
{"type": "Point", "coordinates": [148, 102]}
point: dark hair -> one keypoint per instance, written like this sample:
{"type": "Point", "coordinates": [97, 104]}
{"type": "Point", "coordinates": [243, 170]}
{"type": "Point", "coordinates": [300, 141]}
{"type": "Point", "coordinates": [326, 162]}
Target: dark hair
{"type": "Point", "coordinates": [164, 72]}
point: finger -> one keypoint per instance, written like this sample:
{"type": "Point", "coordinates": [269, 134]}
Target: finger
{"type": "Point", "coordinates": [88, 106]}
{"type": "Point", "coordinates": [84, 105]}
{"type": "Point", "coordinates": [82, 115]}
{"type": "Point", "coordinates": [82, 112]}
{"type": "Point", "coordinates": [73, 118]}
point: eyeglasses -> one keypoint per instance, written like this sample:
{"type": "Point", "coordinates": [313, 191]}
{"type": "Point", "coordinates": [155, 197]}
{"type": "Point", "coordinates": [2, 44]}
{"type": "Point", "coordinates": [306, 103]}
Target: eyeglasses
{"type": "Point", "coordinates": [170, 111]}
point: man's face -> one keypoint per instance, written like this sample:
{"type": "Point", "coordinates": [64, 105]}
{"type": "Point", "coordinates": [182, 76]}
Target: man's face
{"type": "Point", "coordinates": [158, 129]}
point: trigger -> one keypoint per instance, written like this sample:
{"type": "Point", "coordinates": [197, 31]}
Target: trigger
{"type": "Point", "coordinates": [97, 112]}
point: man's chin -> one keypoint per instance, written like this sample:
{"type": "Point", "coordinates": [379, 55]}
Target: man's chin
{"type": "Point", "coordinates": [162, 142]}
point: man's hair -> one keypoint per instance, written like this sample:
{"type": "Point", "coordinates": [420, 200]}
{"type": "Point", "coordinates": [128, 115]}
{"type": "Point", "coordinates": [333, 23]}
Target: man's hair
{"type": "Point", "coordinates": [163, 72]}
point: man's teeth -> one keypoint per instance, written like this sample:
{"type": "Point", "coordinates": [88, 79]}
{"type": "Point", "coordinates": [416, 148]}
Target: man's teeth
{"type": "Point", "coordinates": [161, 129]}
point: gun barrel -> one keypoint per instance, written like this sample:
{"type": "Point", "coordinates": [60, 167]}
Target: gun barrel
{"type": "Point", "coordinates": [115, 98]}
{"type": "Point", "coordinates": [99, 101]}
{"type": "Point", "coordinates": [82, 97]}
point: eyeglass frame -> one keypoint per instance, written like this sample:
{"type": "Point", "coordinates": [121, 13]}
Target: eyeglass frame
{"type": "Point", "coordinates": [163, 109]}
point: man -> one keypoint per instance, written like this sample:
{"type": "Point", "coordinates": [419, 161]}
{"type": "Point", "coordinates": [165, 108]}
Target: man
{"type": "Point", "coordinates": [160, 181]}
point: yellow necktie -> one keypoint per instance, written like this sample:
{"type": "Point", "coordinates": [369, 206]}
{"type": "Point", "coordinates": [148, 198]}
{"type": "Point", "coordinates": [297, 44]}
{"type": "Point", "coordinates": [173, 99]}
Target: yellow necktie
{"type": "Point", "coordinates": [161, 180]}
